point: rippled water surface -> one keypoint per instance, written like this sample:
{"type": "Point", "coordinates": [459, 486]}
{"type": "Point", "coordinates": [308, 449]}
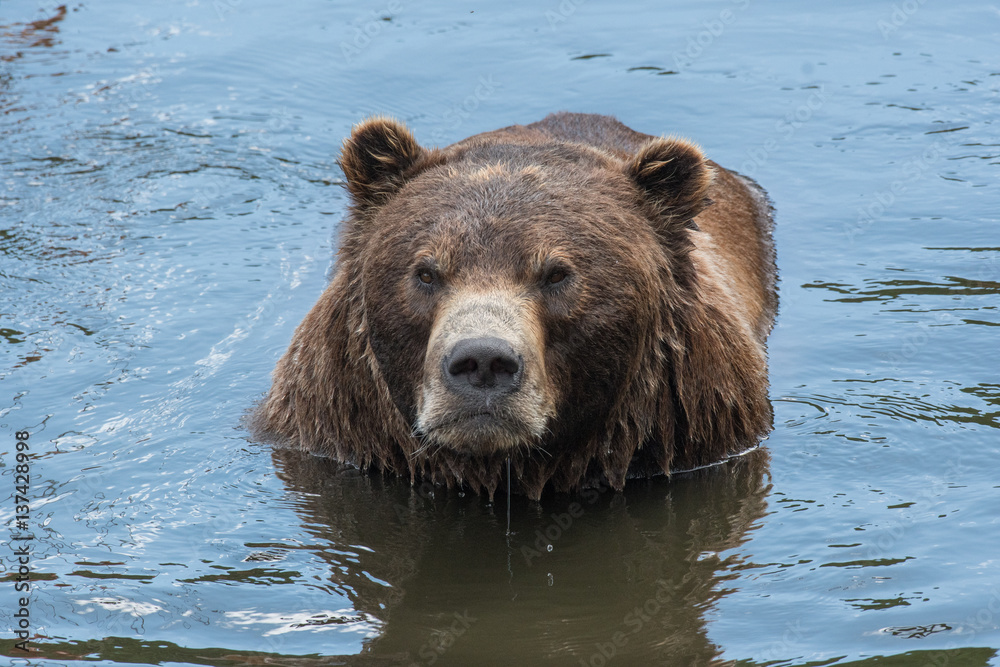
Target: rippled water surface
{"type": "Point", "coordinates": [169, 203]}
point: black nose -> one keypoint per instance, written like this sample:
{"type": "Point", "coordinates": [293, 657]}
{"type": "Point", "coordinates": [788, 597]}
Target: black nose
{"type": "Point", "coordinates": [487, 365]}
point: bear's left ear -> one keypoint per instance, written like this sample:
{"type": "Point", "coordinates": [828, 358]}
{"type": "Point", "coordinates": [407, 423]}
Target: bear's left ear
{"type": "Point", "coordinates": [377, 159]}
{"type": "Point", "coordinates": [675, 177]}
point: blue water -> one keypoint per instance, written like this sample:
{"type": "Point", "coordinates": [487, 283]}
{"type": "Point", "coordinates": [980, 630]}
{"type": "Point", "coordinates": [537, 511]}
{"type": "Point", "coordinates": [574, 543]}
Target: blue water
{"type": "Point", "coordinates": [169, 205]}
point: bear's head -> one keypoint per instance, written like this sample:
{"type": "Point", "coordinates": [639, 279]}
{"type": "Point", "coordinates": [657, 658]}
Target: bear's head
{"type": "Point", "coordinates": [511, 299]}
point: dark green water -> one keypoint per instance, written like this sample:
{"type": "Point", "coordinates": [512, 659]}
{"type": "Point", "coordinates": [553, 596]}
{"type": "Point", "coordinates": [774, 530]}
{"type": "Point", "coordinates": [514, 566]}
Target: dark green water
{"type": "Point", "coordinates": [168, 212]}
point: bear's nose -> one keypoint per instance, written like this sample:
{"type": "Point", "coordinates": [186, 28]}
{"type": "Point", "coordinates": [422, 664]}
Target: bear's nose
{"type": "Point", "coordinates": [485, 364]}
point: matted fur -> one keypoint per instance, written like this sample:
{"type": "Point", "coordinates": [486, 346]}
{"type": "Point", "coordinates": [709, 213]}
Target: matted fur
{"type": "Point", "coordinates": [657, 357]}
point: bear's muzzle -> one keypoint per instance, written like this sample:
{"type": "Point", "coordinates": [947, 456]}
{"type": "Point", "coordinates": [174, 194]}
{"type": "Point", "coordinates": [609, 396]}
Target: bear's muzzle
{"type": "Point", "coordinates": [484, 385]}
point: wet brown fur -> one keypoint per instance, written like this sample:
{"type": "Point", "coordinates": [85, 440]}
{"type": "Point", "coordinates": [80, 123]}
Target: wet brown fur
{"type": "Point", "coordinates": [656, 355]}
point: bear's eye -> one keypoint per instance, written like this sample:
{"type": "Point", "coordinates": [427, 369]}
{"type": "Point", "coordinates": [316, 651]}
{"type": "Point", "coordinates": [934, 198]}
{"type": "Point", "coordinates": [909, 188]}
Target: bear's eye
{"type": "Point", "coordinates": [555, 277]}
{"type": "Point", "coordinates": [426, 276]}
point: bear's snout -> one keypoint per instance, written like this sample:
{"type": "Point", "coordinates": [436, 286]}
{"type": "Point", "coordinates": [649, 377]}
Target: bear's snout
{"type": "Point", "coordinates": [484, 384]}
{"type": "Point", "coordinates": [482, 368]}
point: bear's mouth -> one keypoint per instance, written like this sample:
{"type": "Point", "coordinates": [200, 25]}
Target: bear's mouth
{"type": "Point", "coordinates": [482, 431]}
{"type": "Point", "coordinates": [474, 420]}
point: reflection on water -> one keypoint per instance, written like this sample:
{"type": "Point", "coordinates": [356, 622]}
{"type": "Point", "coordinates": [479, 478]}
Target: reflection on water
{"type": "Point", "coordinates": [893, 289]}
{"type": "Point", "coordinates": [634, 574]}
{"type": "Point", "coordinates": [39, 33]}
{"type": "Point", "coordinates": [901, 405]}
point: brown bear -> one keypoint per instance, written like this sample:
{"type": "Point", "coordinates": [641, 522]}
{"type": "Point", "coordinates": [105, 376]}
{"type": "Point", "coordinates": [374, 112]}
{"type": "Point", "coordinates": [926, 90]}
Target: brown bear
{"type": "Point", "coordinates": [571, 299]}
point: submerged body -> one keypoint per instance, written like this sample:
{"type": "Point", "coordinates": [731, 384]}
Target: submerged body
{"type": "Point", "coordinates": [585, 301]}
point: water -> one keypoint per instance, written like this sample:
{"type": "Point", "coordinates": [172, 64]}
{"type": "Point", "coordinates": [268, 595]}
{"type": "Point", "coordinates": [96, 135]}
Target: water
{"type": "Point", "coordinates": [168, 213]}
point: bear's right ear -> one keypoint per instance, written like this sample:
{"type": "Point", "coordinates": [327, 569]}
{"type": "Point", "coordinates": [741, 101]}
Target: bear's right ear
{"type": "Point", "coordinates": [377, 159]}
